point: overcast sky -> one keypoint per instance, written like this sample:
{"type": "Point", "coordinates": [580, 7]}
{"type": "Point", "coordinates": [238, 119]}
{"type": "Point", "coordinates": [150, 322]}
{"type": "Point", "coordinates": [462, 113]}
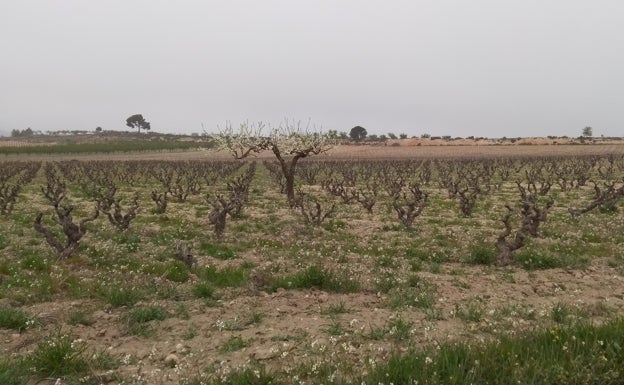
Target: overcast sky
{"type": "Point", "coordinates": [444, 67]}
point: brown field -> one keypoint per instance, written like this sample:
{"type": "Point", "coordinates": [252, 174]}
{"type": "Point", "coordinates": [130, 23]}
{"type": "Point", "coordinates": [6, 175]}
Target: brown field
{"type": "Point", "coordinates": [471, 151]}
{"type": "Point", "coordinates": [404, 150]}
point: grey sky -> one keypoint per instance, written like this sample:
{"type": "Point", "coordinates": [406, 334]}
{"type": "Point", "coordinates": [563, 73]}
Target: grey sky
{"type": "Point", "coordinates": [445, 67]}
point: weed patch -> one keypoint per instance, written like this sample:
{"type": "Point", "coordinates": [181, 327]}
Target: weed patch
{"type": "Point", "coordinates": [15, 319]}
{"type": "Point", "coordinates": [225, 277]}
{"type": "Point", "coordinates": [318, 278]}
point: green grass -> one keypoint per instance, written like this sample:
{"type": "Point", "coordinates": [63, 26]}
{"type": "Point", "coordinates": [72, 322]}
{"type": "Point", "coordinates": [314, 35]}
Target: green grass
{"type": "Point", "coordinates": [74, 287]}
{"type": "Point", "coordinates": [255, 318]}
{"type": "Point", "coordinates": [517, 310]}
{"type": "Point", "coordinates": [177, 271]}
{"type": "Point", "coordinates": [57, 355]}
{"type": "Point", "coordinates": [581, 354]}
{"type": "Point", "coordinates": [377, 333]}
{"type": "Point", "coordinates": [471, 312]}
{"type": "Point", "coordinates": [146, 314]}
{"type": "Point", "coordinates": [118, 296]}
{"type": "Point", "coordinates": [35, 262]}
{"type": "Point", "coordinates": [131, 241]}
{"type": "Point", "coordinates": [13, 372]}
{"type": "Point", "coordinates": [318, 278]}
{"type": "Point", "coordinates": [4, 242]}
{"type": "Point", "coordinates": [217, 251]}
{"type": "Point", "coordinates": [190, 333]}
{"type": "Point", "coordinates": [233, 344]}
{"type": "Point", "coordinates": [537, 261]}
{"type": "Point", "coordinates": [481, 254]}
{"type": "Point", "coordinates": [15, 319]}
{"type": "Point", "coordinates": [419, 293]}
{"type": "Point", "coordinates": [203, 290]}
{"type": "Point", "coordinates": [563, 313]}
{"type": "Point", "coordinates": [334, 328]}
{"type": "Point", "coordinates": [399, 329]}
{"type": "Point", "coordinates": [225, 277]}
{"type": "Point", "coordinates": [334, 309]}
{"type": "Point", "coordinates": [138, 318]}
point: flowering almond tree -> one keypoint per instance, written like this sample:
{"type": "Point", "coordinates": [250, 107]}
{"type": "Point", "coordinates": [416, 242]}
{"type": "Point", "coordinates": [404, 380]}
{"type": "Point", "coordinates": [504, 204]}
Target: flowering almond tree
{"type": "Point", "coordinates": [289, 143]}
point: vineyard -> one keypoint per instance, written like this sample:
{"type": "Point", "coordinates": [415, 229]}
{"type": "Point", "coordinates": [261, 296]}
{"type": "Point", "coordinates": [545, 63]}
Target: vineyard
{"type": "Point", "coordinates": [378, 271]}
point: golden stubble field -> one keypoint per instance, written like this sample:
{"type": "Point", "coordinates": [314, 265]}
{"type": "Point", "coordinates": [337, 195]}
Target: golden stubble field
{"type": "Point", "coordinates": [415, 289]}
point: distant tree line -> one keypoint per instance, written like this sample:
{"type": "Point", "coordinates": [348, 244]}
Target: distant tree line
{"type": "Point", "coordinates": [359, 133]}
{"type": "Point", "coordinates": [22, 133]}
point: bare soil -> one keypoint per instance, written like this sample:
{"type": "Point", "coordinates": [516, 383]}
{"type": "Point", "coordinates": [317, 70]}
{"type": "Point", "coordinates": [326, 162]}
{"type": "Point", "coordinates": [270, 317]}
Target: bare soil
{"type": "Point", "coordinates": [294, 327]}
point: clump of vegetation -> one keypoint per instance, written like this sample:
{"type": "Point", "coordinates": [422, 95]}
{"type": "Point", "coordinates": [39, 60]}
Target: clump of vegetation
{"type": "Point", "coordinates": [218, 251]}
{"type": "Point", "coordinates": [481, 254]}
{"type": "Point", "coordinates": [138, 319]}
{"type": "Point", "coordinates": [233, 344]}
{"type": "Point", "coordinates": [225, 277]}
{"type": "Point", "coordinates": [58, 355]}
{"type": "Point", "coordinates": [177, 271]}
{"type": "Point", "coordinates": [118, 296]}
{"type": "Point", "coordinates": [16, 319]}
{"type": "Point", "coordinates": [203, 290]}
{"type": "Point", "coordinates": [318, 278]}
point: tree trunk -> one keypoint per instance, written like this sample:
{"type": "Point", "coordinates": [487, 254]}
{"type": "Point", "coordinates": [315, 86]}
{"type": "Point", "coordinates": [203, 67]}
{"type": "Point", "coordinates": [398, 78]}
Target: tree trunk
{"type": "Point", "coordinates": [504, 254]}
{"type": "Point", "coordinates": [289, 188]}
{"type": "Point", "coordinates": [288, 169]}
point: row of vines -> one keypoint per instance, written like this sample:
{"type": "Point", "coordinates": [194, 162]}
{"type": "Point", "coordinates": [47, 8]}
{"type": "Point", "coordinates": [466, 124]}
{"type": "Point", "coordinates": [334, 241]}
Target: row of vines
{"type": "Point", "coordinates": [77, 195]}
